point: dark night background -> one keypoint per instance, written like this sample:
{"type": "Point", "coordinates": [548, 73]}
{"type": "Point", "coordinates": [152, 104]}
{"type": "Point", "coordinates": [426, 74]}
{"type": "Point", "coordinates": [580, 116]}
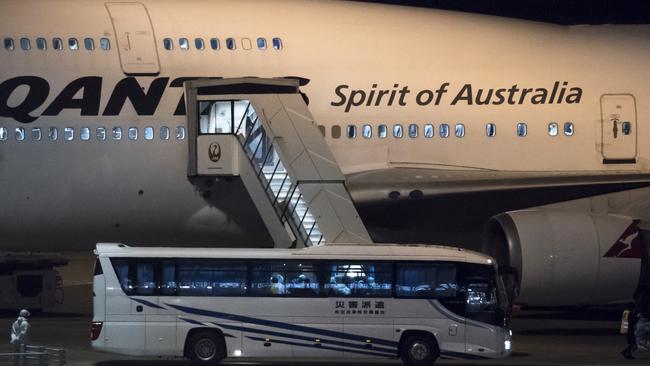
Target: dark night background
{"type": "Point", "coordinates": [552, 11]}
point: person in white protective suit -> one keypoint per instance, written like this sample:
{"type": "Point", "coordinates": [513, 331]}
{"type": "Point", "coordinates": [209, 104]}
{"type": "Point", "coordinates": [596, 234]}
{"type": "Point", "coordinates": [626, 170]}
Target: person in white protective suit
{"type": "Point", "coordinates": [19, 330]}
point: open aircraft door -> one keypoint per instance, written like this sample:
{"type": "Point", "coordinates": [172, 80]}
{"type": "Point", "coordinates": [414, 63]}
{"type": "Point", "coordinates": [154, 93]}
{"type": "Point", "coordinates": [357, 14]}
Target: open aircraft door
{"type": "Point", "coordinates": [135, 38]}
{"type": "Point", "coordinates": [619, 128]}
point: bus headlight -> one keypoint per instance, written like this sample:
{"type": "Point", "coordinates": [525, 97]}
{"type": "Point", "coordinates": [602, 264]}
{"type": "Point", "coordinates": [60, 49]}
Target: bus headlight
{"type": "Point", "coordinates": [507, 345]}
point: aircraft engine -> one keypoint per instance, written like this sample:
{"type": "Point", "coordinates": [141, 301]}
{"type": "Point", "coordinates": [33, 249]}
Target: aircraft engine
{"type": "Point", "coordinates": [567, 258]}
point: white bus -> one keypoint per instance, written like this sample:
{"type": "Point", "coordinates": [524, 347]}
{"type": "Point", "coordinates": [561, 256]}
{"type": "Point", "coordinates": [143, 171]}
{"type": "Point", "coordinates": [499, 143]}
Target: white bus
{"type": "Point", "coordinates": [416, 303]}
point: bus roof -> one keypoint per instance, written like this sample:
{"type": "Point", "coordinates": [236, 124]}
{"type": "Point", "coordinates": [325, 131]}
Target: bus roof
{"type": "Point", "coordinates": [330, 251]}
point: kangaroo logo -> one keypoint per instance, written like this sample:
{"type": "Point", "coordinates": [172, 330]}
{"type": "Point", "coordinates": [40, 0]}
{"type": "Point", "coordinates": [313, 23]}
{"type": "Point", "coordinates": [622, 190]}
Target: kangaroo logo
{"type": "Point", "coordinates": [628, 245]}
{"type": "Point", "coordinates": [214, 152]}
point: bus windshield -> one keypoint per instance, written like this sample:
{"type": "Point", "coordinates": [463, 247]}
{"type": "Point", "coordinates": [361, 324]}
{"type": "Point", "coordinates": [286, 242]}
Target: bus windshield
{"type": "Point", "coordinates": [483, 294]}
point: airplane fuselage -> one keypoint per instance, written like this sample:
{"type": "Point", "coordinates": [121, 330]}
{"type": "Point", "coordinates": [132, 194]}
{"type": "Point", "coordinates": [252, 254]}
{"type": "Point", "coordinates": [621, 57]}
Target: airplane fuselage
{"type": "Point", "coordinates": [484, 94]}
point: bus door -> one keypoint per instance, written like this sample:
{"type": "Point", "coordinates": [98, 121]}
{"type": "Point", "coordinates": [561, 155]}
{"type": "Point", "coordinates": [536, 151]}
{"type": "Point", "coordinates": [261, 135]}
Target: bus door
{"type": "Point", "coordinates": [481, 313]}
{"type": "Point", "coordinates": [160, 322]}
{"type": "Point", "coordinates": [618, 128]}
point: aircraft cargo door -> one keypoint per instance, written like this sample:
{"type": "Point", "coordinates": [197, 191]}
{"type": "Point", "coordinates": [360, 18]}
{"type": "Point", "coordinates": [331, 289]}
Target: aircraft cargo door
{"type": "Point", "coordinates": [618, 116]}
{"type": "Point", "coordinates": [135, 38]}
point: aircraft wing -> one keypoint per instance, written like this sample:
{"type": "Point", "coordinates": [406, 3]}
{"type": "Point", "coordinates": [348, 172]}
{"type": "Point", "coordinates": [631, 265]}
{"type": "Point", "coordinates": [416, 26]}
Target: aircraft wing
{"type": "Point", "coordinates": [416, 205]}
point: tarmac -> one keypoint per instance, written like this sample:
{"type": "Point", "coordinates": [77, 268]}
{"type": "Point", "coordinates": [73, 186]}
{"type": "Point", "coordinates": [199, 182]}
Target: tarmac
{"type": "Point", "coordinates": [541, 337]}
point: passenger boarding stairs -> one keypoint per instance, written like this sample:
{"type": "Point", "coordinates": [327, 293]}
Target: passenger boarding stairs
{"type": "Point", "coordinates": [262, 131]}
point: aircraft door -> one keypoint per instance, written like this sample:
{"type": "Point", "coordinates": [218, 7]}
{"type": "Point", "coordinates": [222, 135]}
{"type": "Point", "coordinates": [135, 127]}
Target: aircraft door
{"type": "Point", "coordinates": [618, 113]}
{"type": "Point", "coordinates": [135, 38]}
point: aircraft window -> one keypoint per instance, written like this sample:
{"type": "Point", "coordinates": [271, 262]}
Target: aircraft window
{"type": "Point", "coordinates": [168, 43]}
{"type": "Point", "coordinates": [41, 44]}
{"type": "Point", "coordinates": [73, 44]}
{"type": "Point", "coordinates": [444, 130]}
{"type": "Point", "coordinates": [101, 133]}
{"type": "Point", "coordinates": [367, 131]}
{"type": "Point", "coordinates": [184, 44]}
{"type": "Point", "coordinates": [68, 133]}
{"type": "Point", "coordinates": [490, 130]}
{"type": "Point", "coordinates": [552, 129]}
{"type": "Point", "coordinates": [428, 131]}
{"type": "Point", "coordinates": [322, 130]}
{"type": "Point", "coordinates": [133, 133]}
{"type": "Point", "coordinates": [382, 131]}
{"type": "Point", "coordinates": [568, 129]}
{"type": "Point", "coordinates": [460, 130]}
{"type": "Point", "coordinates": [89, 44]}
{"type": "Point", "coordinates": [9, 44]}
{"type": "Point", "coordinates": [105, 44]}
{"type": "Point", "coordinates": [25, 44]}
{"type": "Point", "coordinates": [148, 133]}
{"type": "Point", "coordinates": [522, 129]}
{"type": "Point", "coordinates": [214, 43]}
{"type": "Point", "coordinates": [336, 131]}
{"type": "Point", "coordinates": [261, 43]}
{"type": "Point", "coordinates": [230, 43]}
{"type": "Point", "coordinates": [117, 133]}
{"type": "Point", "coordinates": [626, 128]}
{"type": "Point", "coordinates": [19, 134]}
{"type": "Point", "coordinates": [397, 131]}
{"type": "Point", "coordinates": [352, 131]}
{"type": "Point", "coordinates": [246, 43]}
{"type": "Point", "coordinates": [413, 131]}
{"type": "Point", "coordinates": [199, 44]}
{"type": "Point", "coordinates": [180, 133]}
{"type": "Point", "coordinates": [36, 134]}
{"type": "Point", "coordinates": [164, 133]}
{"type": "Point", "coordinates": [57, 44]}
{"type": "Point", "coordinates": [53, 133]}
{"type": "Point", "coordinates": [3, 134]}
{"type": "Point", "coordinates": [84, 134]}
{"type": "Point", "coordinates": [277, 43]}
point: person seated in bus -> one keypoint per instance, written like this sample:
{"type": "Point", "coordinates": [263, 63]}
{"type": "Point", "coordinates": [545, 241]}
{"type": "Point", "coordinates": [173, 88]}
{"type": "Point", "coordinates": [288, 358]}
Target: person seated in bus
{"type": "Point", "coordinates": [339, 289]}
{"type": "Point", "coordinates": [302, 286]}
{"type": "Point", "coordinates": [365, 286]}
{"type": "Point", "coordinates": [277, 285]}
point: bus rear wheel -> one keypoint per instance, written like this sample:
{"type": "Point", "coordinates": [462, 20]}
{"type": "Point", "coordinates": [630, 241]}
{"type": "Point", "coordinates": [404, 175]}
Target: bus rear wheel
{"type": "Point", "coordinates": [419, 351]}
{"type": "Point", "coordinates": [206, 348]}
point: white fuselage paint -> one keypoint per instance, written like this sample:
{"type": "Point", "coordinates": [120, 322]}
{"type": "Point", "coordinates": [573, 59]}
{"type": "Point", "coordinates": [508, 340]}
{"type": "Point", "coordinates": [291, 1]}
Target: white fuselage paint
{"type": "Point", "coordinates": [71, 194]}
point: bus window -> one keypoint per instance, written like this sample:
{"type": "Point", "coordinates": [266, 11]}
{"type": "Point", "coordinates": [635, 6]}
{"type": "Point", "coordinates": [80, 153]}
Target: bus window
{"type": "Point", "coordinates": [136, 278]}
{"type": "Point", "coordinates": [198, 277]}
{"type": "Point", "coordinates": [284, 278]}
{"type": "Point", "coordinates": [145, 280]}
{"type": "Point", "coordinates": [168, 277]}
{"type": "Point", "coordinates": [359, 279]}
{"type": "Point", "coordinates": [430, 280]}
{"type": "Point", "coordinates": [121, 266]}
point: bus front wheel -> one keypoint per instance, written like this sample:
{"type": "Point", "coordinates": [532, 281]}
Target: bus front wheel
{"type": "Point", "coordinates": [419, 351]}
{"type": "Point", "coordinates": [206, 348]}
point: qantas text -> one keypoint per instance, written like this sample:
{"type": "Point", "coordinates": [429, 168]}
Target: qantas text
{"type": "Point", "coordinates": [467, 94]}
{"type": "Point", "coordinates": [85, 94]}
